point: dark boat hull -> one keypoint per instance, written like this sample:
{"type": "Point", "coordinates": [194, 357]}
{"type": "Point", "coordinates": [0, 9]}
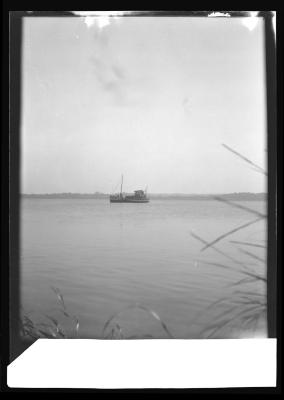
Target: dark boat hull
{"type": "Point", "coordinates": [129, 201]}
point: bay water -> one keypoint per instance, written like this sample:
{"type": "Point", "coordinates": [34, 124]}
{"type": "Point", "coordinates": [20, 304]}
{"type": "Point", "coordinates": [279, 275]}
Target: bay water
{"type": "Point", "coordinates": [107, 258]}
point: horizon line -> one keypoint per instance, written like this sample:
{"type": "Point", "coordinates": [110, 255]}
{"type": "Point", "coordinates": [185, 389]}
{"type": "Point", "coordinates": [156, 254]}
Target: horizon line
{"type": "Point", "coordinates": [153, 193]}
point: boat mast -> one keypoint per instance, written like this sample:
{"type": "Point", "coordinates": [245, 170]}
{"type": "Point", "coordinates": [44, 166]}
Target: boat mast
{"type": "Point", "coordinates": [121, 185]}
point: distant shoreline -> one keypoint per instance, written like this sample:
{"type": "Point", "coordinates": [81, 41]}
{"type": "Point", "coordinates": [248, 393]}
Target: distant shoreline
{"type": "Point", "coordinates": [161, 196]}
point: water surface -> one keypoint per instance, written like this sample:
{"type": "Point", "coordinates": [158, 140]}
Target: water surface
{"type": "Point", "coordinates": [105, 257]}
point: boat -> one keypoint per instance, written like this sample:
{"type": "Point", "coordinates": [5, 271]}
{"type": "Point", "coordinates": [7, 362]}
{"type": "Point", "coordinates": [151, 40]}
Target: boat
{"type": "Point", "coordinates": [139, 196]}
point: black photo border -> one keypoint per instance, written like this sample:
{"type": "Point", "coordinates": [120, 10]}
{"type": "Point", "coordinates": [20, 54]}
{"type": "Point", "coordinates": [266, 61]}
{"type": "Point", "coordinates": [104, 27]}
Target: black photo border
{"type": "Point", "coordinates": [11, 344]}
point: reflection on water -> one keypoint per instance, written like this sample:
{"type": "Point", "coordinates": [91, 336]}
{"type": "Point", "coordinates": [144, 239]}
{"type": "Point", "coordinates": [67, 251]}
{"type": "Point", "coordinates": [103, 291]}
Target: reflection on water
{"type": "Point", "coordinates": [104, 257]}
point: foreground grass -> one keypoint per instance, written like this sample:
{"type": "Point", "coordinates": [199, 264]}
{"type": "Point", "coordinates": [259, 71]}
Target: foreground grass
{"type": "Point", "coordinates": [245, 309]}
{"type": "Point", "coordinates": [52, 328]}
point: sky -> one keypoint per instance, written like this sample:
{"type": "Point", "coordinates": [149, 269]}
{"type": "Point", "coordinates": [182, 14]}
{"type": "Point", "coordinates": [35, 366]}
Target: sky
{"type": "Point", "coordinates": [152, 98]}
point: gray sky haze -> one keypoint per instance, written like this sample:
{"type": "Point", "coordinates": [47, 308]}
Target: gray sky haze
{"type": "Point", "coordinates": [152, 98]}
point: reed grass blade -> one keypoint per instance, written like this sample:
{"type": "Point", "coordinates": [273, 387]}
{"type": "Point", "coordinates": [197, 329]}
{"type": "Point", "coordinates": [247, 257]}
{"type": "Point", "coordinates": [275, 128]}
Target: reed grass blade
{"type": "Point", "coordinates": [141, 307]}
{"type": "Point", "coordinates": [248, 244]}
{"type": "Point", "coordinates": [252, 255]}
{"type": "Point", "coordinates": [245, 272]}
{"type": "Point", "coordinates": [224, 235]}
{"type": "Point", "coordinates": [260, 169]}
{"type": "Point", "coordinates": [241, 207]}
{"type": "Point", "coordinates": [218, 250]}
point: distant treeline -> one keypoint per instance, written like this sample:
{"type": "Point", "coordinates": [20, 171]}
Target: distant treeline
{"type": "Point", "coordinates": [227, 196]}
{"type": "Point", "coordinates": [164, 196]}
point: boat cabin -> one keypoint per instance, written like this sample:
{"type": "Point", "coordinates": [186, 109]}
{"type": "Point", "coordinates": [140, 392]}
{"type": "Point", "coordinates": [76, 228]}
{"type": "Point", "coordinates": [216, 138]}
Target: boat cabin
{"type": "Point", "coordinates": [139, 193]}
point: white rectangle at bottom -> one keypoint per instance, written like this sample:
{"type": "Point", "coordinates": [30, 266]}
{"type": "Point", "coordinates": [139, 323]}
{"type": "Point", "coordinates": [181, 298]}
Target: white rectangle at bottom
{"type": "Point", "coordinates": [87, 363]}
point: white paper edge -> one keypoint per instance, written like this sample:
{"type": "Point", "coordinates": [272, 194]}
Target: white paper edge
{"type": "Point", "coordinates": [86, 363]}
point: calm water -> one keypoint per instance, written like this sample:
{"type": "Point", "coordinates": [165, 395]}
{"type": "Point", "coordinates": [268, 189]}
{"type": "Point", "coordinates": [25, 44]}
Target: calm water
{"type": "Point", "coordinates": [105, 257]}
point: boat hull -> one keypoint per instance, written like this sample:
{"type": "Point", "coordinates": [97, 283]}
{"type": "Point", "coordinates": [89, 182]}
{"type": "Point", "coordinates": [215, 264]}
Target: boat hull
{"type": "Point", "coordinates": [129, 201]}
